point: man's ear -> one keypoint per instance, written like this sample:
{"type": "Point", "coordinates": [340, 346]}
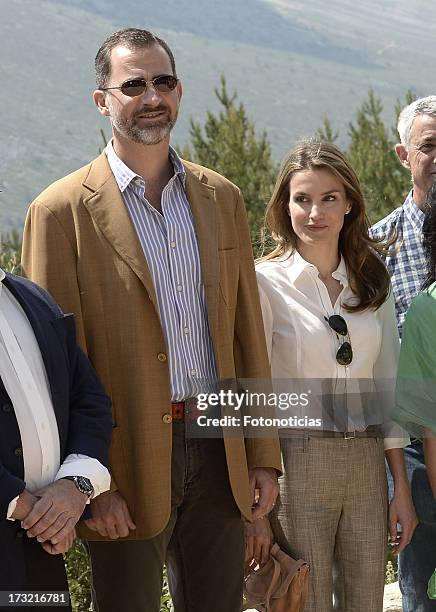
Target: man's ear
{"type": "Point", "coordinates": [403, 155]}
{"type": "Point", "coordinates": [179, 89]}
{"type": "Point", "coordinates": [99, 98]}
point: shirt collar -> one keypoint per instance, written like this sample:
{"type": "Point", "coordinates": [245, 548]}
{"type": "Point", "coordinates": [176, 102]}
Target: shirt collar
{"type": "Point", "coordinates": [2, 277]}
{"type": "Point", "coordinates": [124, 176]}
{"type": "Point", "coordinates": [340, 273]}
{"type": "Point", "coordinates": [414, 214]}
{"type": "Point", "coordinates": [179, 168]}
{"type": "Point", "coordinates": [297, 266]}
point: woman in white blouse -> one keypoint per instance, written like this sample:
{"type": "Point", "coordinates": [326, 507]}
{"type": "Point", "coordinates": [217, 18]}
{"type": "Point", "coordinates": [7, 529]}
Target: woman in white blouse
{"type": "Point", "coordinates": [329, 317]}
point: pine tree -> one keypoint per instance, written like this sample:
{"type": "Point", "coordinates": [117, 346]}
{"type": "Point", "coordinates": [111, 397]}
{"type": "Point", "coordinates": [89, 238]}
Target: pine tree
{"type": "Point", "coordinates": [385, 182]}
{"type": "Point", "coordinates": [228, 144]}
{"type": "Point", "coordinates": [405, 181]}
{"type": "Point", "coordinates": [371, 153]}
{"type": "Point", "coordinates": [326, 132]}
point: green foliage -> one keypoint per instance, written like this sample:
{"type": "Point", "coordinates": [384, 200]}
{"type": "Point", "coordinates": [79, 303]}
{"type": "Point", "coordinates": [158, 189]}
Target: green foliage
{"type": "Point", "coordinates": [371, 152]}
{"type": "Point", "coordinates": [166, 604]}
{"type": "Point", "coordinates": [10, 252]}
{"type": "Point", "coordinates": [391, 575]}
{"type": "Point", "coordinates": [228, 144]}
{"type": "Point", "coordinates": [372, 155]}
{"type": "Point", "coordinates": [79, 577]}
{"type": "Point", "coordinates": [326, 132]}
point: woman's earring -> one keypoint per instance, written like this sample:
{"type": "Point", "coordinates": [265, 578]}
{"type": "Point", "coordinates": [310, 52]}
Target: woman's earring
{"type": "Point", "coordinates": [347, 212]}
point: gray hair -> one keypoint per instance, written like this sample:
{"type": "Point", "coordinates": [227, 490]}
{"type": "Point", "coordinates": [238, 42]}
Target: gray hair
{"type": "Point", "coordinates": [422, 106]}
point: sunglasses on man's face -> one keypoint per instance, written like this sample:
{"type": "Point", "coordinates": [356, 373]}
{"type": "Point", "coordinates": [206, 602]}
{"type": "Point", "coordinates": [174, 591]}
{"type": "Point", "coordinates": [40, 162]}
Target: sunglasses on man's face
{"type": "Point", "coordinates": [344, 355]}
{"type": "Point", "coordinates": [164, 83]}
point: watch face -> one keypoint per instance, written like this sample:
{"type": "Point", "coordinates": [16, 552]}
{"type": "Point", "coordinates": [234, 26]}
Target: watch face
{"type": "Point", "coordinates": [84, 485]}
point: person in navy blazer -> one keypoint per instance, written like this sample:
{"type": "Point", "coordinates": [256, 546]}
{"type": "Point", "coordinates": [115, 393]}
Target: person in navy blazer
{"type": "Point", "coordinates": [84, 424]}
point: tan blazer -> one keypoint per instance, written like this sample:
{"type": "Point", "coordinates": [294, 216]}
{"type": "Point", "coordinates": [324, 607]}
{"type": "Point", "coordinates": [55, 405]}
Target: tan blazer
{"type": "Point", "coordinates": [80, 243]}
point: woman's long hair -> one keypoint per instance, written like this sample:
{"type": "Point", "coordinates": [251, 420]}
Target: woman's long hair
{"type": "Point", "coordinates": [429, 237]}
{"type": "Point", "coordinates": [367, 275]}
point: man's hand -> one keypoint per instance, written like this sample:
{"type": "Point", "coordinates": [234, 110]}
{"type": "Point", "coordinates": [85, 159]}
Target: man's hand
{"type": "Point", "coordinates": [402, 511]}
{"type": "Point", "coordinates": [258, 538]}
{"type": "Point", "coordinates": [56, 513]}
{"type": "Point", "coordinates": [110, 516]}
{"type": "Point", "coordinates": [61, 547]}
{"type": "Point", "coordinates": [25, 503]}
{"type": "Point", "coordinates": [264, 482]}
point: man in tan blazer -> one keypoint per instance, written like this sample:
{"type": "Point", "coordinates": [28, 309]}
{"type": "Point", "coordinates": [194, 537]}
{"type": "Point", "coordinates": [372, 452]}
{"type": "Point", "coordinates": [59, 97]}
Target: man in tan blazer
{"type": "Point", "coordinates": [153, 257]}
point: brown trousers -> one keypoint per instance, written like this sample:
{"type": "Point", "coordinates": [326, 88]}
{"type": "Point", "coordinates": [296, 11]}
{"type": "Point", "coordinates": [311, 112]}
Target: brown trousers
{"type": "Point", "coordinates": [332, 512]}
{"type": "Point", "coordinates": [202, 545]}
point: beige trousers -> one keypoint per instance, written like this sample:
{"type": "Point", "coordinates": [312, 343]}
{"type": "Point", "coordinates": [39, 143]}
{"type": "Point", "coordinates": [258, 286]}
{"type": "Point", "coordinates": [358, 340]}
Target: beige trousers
{"type": "Point", "coordinates": [332, 512]}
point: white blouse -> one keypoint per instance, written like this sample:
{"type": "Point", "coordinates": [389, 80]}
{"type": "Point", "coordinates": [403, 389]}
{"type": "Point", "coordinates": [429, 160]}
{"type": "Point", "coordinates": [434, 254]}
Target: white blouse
{"type": "Point", "coordinates": [301, 344]}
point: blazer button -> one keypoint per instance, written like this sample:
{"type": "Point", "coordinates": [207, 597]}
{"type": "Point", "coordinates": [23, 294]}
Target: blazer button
{"type": "Point", "coordinates": [167, 418]}
{"type": "Point", "coordinates": [162, 357]}
{"type": "Point", "coordinates": [7, 408]}
{"type": "Point", "coordinates": [20, 533]}
{"type": "Point", "coordinates": [18, 452]}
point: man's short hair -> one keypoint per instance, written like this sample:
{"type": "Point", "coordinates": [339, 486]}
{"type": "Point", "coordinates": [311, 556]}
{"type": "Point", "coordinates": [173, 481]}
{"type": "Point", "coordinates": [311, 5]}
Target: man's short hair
{"type": "Point", "coordinates": [422, 106]}
{"type": "Point", "coordinates": [132, 38]}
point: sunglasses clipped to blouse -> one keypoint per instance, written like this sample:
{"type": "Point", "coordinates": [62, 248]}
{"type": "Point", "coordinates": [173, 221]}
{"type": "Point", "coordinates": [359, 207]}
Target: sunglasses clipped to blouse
{"type": "Point", "coordinates": [164, 83]}
{"type": "Point", "coordinates": [344, 355]}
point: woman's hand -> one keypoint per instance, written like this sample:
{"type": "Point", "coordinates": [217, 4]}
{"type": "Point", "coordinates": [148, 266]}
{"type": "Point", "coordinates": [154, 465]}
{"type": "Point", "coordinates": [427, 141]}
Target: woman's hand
{"type": "Point", "coordinates": [259, 539]}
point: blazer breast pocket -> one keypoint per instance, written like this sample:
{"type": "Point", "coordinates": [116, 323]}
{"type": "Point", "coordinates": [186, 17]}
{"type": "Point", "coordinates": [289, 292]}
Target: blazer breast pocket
{"type": "Point", "coordinates": [65, 329]}
{"type": "Point", "coordinates": [229, 275]}
{"type": "Point", "coordinates": [65, 325]}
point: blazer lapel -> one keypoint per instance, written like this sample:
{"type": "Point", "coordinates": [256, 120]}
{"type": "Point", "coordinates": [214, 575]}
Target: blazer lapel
{"type": "Point", "coordinates": [40, 325]}
{"type": "Point", "coordinates": [44, 325]}
{"type": "Point", "coordinates": [107, 208]}
{"type": "Point", "coordinates": [49, 345]}
{"type": "Point", "coordinates": [201, 197]}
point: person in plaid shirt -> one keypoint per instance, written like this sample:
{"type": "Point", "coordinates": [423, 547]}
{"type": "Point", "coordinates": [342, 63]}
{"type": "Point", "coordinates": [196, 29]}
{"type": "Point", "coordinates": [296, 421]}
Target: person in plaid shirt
{"type": "Point", "coordinates": [407, 267]}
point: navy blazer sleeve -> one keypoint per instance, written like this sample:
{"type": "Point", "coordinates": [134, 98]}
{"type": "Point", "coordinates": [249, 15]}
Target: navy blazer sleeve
{"type": "Point", "coordinates": [10, 487]}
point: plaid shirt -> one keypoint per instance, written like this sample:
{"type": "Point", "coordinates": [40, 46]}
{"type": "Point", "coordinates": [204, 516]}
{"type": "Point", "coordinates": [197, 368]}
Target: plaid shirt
{"type": "Point", "coordinates": [407, 267]}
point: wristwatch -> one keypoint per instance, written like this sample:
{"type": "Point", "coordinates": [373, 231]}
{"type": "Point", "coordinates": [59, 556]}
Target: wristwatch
{"type": "Point", "coordinates": [83, 484]}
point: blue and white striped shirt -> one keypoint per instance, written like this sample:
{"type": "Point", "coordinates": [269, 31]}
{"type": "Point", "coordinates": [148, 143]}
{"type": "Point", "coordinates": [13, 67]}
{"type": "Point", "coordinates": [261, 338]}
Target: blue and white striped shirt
{"type": "Point", "coordinates": [407, 267]}
{"type": "Point", "coordinates": [170, 247]}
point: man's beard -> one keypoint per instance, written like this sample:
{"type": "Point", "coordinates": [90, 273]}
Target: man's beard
{"type": "Point", "coordinates": [148, 135]}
